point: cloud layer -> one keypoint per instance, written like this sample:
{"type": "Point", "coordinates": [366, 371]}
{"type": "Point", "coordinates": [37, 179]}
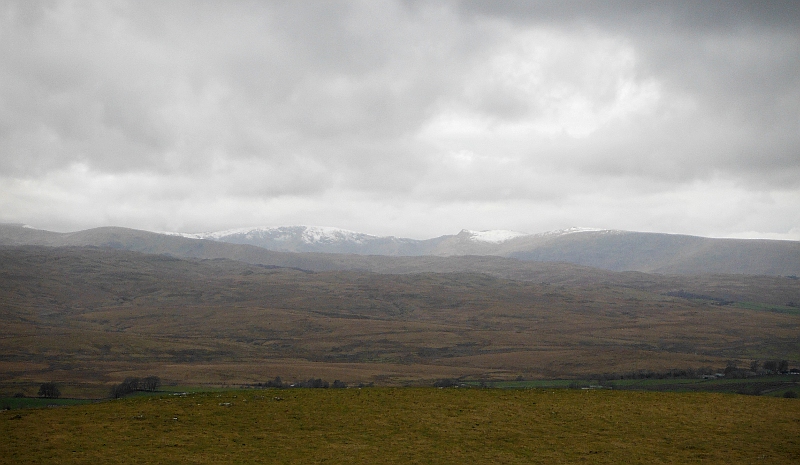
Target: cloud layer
{"type": "Point", "coordinates": [404, 118]}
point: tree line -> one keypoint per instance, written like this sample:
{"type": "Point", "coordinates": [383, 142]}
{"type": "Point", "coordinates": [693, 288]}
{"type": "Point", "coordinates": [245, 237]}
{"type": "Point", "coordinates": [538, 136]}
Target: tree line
{"type": "Point", "coordinates": [130, 385]}
{"type": "Point", "coordinates": [768, 367]}
{"type": "Point", "coordinates": [317, 383]}
{"type": "Point", "coordinates": [731, 370]}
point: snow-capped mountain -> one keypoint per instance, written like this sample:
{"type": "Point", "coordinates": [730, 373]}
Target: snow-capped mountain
{"type": "Point", "coordinates": [495, 236]}
{"type": "Point", "coordinates": [498, 236]}
{"type": "Point", "coordinates": [311, 239]}
{"type": "Point", "coordinates": [336, 240]}
{"type": "Point", "coordinates": [606, 249]}
{"type": "Point", "coordinates": [306, 234]}
{"type": "Point", "coordinates": [562, 232]}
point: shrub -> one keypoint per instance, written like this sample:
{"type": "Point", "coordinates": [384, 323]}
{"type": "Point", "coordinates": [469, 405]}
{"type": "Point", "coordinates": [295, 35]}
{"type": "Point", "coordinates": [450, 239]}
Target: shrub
{"type": "Point", "coordinates": [275, 383]}
{"type": "Point", "coordinates": [151, 383]}
{"type": "Point", "coordinates": [49, 390]}
{"type": "Point", "coordinates": [448, 382]}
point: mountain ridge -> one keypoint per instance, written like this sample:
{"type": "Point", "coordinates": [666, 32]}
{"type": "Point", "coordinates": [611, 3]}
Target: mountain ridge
{"type": "Point", "coordinates": [333, 248]}
{"type": "Point", "coordinates": [336, 240]}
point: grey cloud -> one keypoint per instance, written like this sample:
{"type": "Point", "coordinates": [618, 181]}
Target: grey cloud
{"type": "Point", "coordinates": [212, 84]}
{"type": "Point", "coordinates": [680, 15]}
{"type": "Point", "coordinates": [738, 62]}
{"type": "Point", "coordinates": [314, 107]}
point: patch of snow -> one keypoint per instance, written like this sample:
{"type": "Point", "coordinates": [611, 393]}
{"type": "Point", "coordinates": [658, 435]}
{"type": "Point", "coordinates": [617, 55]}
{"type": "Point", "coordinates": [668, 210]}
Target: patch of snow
{"type": "Point", "coordinates": [316, 234]}
{"type": "Point", "coordinates": [234, 232]}
{"type": "Point", "coordinates": [186, 235]}
{"type": "Point", "coordinates": [308, 234]}
{"type": "Point", "coordinates": [563, 232]}
{"type": "Point", "coordinates": [215, 235]}
{"type": "Point", "coordinates": [329, 235]}
{"type": "Point", "coordinates": [495, 236]}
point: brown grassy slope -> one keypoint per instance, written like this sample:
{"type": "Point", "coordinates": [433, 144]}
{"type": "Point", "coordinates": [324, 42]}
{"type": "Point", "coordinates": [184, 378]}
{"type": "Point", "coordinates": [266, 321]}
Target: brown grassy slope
{"type": "Point", "coordinates": [410, 426]}
{"type": "Point", "coordinates": [98, 315]}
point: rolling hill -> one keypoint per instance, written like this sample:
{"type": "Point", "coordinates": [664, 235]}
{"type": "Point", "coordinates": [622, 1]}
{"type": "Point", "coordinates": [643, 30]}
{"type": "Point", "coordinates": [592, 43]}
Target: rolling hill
{"type": "Point", "coordinates": [327, 248]}
{"type": "Point", "coordinates": [92, 316]}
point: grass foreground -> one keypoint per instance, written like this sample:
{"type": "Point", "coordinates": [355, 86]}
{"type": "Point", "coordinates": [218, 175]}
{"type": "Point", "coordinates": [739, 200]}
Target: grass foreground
{"type": "Point", "coordinates": [409, 425]}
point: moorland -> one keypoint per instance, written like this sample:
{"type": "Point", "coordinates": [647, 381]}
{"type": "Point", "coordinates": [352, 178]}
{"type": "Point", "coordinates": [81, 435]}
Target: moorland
{"type": "Point", "coordinates": [89, 317]}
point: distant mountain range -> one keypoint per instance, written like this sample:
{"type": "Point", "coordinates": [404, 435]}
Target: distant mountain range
{"type": "Point", "coordinates": [307, 247]}
{"type": "Point", "coordinates": [606, 249]}
{"type": "Point", "coordinates": [335, 240]}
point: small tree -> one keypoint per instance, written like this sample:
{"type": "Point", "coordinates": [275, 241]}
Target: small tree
{"type": "Point", "coordinates": [118, 391]}
{"type": "Point", "coordinates": [49, 391]}
{"type": "Point", "coordinates": [446, 383]}
{"type": "Point", "coordinates": [151, 383]}
{"type": "Point", "coordinates": [731, 366]}
{"type": "Point", "coordinates": [317, 383]}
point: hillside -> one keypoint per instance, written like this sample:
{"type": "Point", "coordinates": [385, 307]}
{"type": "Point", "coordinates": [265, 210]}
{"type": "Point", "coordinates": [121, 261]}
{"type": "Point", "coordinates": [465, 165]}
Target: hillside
{"type": "Point", "coordinates": [735, 289]}
{"type": "Point", "coordinates": [606, 249]}
{"type": "Point", "coordinates": [93, 316]}
{"type": "Point", "coordinates": [667, 253]}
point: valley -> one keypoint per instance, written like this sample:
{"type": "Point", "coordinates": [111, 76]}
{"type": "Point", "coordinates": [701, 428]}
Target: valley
{"type": "Point", "coordinates": [89, 317]}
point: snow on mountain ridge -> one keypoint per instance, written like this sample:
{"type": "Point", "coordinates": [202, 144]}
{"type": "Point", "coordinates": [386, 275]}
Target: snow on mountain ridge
{"type": "Point", "coordinates": [573, 230]}
{"type": "Point", "coordinates": [494, 236]}
{"type": "Point", "coordinates": [308, 234]}
{"type": "Point", "coordinates": [315, 234]}
{"type": "Point", "coordinates": [331, 235]}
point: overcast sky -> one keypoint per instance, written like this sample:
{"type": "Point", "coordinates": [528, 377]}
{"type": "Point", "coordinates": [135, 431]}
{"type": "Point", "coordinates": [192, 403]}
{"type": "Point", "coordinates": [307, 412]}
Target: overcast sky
{"type": "Point", "coordinates": [406, 118]}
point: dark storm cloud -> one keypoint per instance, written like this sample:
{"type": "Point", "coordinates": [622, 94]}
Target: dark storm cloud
{"type": "Point", "coordinates": [414, 118]}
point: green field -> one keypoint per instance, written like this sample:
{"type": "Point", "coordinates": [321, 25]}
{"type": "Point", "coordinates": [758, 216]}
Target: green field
{"type": "Point", "coordinates": [35, 402]}
{"type": "Point", "coordinates": [794, 310]}
{"type": "Point", "coordinates": [409, 425]}
{"type": "Point", "coordinates": [775, 385]}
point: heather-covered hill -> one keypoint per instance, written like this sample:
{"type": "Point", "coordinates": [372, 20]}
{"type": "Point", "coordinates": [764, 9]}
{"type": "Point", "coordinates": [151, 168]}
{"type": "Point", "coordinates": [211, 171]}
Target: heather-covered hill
{"type": "Point", "coordinates": [97, 315]}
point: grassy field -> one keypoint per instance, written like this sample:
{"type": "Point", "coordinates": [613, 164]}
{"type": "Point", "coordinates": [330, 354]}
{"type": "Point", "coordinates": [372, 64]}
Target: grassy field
{"type": "Point", "coordinates": [14, 403]}
{"type": "Point", "coordinates": [771, 385]}
{"type": "Point", "coordinates": [769, 308]}
{"type": "Point", "coordinates": [409, 425]}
